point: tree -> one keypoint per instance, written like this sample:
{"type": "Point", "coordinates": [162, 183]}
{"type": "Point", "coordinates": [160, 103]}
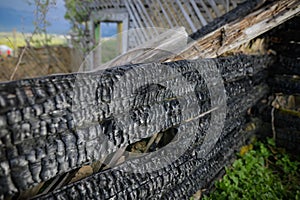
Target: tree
{"type": "Point", "coordinates": [41, 23]}
{"type": "Point", "coordinates": [78, 14]}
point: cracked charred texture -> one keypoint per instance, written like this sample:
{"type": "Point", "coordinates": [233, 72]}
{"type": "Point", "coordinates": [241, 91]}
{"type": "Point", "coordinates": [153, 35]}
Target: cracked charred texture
{"type": "Point", "coordinates": [285, 84]}
{"type": "Point", "coordinates": [54, 124]}
{"type": "Point", "coordinates": [148, 184]}
{"type": "Point", "coordinates": [285, 65]}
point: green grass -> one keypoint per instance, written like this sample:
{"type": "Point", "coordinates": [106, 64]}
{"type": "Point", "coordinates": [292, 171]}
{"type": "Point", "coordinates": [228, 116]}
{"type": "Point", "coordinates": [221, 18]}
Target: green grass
{"type": "Point", "coordinates": [38, 40]}
{"type": "Point", "coordinates": [264, 172]}
{"type": "Point", "coordinates": [109, 49]}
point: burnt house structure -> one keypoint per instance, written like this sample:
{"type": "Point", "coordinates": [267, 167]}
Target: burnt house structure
{"type": "Point", "coordinates": [160, 126]}
{"type": "Point", "coordinates": [139, 16]}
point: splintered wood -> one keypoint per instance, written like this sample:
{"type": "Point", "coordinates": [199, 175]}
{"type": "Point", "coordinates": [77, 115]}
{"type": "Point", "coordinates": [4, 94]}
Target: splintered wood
{"type": "Point", "coordinates": [240, 31]}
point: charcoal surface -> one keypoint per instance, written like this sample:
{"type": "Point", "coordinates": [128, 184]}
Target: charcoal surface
{"type": "Point", "coordinates": [51, 125]}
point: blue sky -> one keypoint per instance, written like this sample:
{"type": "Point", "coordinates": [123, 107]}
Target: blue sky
{"type": "Point", "coordinates": [19, 14]}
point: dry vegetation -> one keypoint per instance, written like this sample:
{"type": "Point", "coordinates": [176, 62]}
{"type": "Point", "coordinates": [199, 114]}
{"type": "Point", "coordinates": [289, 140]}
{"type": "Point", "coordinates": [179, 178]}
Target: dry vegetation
{"type": "Point", "coordinates": [40, 61]}
{"type": "Point", "coordinates": [19, 39]}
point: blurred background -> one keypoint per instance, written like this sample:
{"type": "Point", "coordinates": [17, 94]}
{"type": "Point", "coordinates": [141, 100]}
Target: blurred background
{"type": "Point", "coordinates": [37, 37]}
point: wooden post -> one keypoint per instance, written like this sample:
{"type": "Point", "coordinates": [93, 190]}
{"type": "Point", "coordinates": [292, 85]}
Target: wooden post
{"type": "Point", "coordinates": [97, 53]}
{"type": "Point", "coordinates": [119, 39]}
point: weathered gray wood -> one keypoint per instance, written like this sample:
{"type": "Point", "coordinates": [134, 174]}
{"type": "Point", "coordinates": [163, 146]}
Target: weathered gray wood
{"type": "Point", "coordinates": [200, 16]}
{"type": "Point", "coordinates": [227, 5]}
{"type": "Point", "coordinates": [187, 6]}
{"type": "Point", "coordinates": [179, 16]}
{"type": "Point", "coordinates": [138, 18]}
{"type": "Point", "coordinates": [239, 12]}
{"type": "Point", "coordinates": [140, 34]}
{"type": "Point", "coordinates": [159, 21]}
{"type": "Point", "coordinates": [120, 16]}
{"type": "Point", "coordinates": [208, 13]}
{"type": "Point", "coordinates": [233, 2]}
{"type": "Point", "coordinates": [168, 8]}
{"type": "Point", "coordinates": [146, 13]}
{"type": "Point", "coordinates": [165, 13]}
{"type": "Point", "coordinates": [188, 19]}
{"type": "Point", "coordinates": [214, 7]}
{"type": "Point", "coordinates": [144, 17]}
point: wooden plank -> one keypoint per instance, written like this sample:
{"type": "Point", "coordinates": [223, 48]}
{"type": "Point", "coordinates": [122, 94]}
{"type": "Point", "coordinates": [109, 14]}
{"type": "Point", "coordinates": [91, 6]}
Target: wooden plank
{"type": "Point", "coordinates": [139, 36]}
{"type": "Point", "coordinates": [142, 14]}
{"type": "Point", "coordinates": [222, 3]}
{"type": "Point", "coordinates": [187, 6]}
{"type": "Point", "coordinates": [233, 3]}
{"type": "Point", "coordinates": [168, 8]}
{"type": "Point", "coordinates": [125, 39]}
{"type": "Point", "coordinates": [119, 35]}
{"type": "Point", "coordinates": [133, 40]}
{"type": "Point", "coordinates": [177, 15]}
{"type": "Point", "coordinates": [148, 20]}
{"type": "Point", "coordinates": [165, 14]}
{"type": "Point", "coordinates": [140, 25]}
{"type": "Point", "coordinates": [214, 7]}
{"type": "Point", "coordinates": [208, 13]}
{"type": "Point", "coordinates": [227, 7]}
{"type": "Point", "coordinates": [157, 16]}
{"type": "Point", "coordinates": [241, 31]}
{"type": "Point", "coordinates": [188, 19]}
{"type": "Point", "coordinates": [199, 15]}
{"type": "Point", "coordinates": [240, 12]}
{"type": "Point", "coordinates": [146, 13]}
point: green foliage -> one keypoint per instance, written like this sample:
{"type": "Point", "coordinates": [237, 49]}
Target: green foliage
{"type": "Point", "coordinates": [266, 172]}
{"type": "Point", "coordinates": [78, 14]}
{"type": "Point", "coordinates": [77, 10]}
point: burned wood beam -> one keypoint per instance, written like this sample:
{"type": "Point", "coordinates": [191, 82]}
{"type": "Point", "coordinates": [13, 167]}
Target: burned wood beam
{"type": "Point", "coordinates": [285, 84]}
{"type": "Point", "coordinates": [232, 35]}
{"type": "Point", "coordinates": [189, 168]}
{"type": "Point", "coordinates": [237, 13]}
{"type": "Point", "coordinates": [52, 125]}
